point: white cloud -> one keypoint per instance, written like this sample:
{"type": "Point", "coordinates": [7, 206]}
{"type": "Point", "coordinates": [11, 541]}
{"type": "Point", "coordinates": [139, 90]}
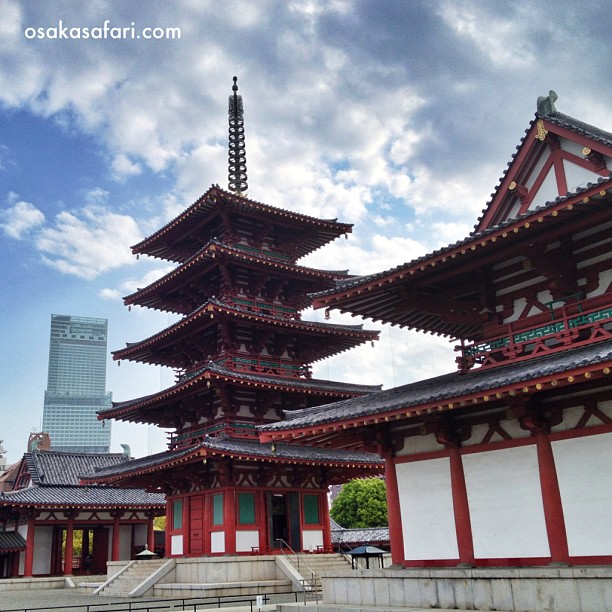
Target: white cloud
{"type": "Point", "coordinates": [110, 294]}
{"type": "Point", "coordinates": [20, 219]}
{"type": "Point", "coordinates": [131, 285]}
{"type": "Point", "coordinates": [123, 167]}
{"type": "Point", "coordinates": [89, 244]}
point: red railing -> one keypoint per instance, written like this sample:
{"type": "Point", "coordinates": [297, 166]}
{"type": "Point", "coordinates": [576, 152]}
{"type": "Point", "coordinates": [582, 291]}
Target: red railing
{"type": "Point", "coordinates": [235, 429]}
{"type": "Point", "coordinates": [264, 365]}
{"type": "Point", "coordinates": [567, 325]}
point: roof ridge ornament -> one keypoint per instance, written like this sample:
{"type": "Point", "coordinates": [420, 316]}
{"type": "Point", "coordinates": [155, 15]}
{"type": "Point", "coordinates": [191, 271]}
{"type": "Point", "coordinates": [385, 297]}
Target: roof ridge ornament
{"type": "Point", "coordinates": [546, 104]}
{"type": "Point", "coordinates": [237, 177]}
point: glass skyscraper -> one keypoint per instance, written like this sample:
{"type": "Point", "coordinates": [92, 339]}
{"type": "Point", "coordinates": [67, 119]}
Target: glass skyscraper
{"type": "Point", "coordinates": [76, 385]}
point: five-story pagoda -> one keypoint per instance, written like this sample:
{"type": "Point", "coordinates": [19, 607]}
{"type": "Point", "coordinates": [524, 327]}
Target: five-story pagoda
{"type": "Point", "coordinates": [243, 358]}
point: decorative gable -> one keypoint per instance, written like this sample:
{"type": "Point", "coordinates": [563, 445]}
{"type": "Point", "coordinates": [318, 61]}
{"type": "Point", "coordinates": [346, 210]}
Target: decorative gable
{"type": "Point", "coordinates": [558, 156]}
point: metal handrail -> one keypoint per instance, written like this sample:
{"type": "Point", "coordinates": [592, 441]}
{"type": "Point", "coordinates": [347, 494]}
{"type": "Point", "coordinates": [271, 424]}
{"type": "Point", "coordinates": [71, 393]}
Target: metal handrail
{"type": "Point", "coordinates": [158, 604]}
{"type": "Point", "coordinates": [312, 581]}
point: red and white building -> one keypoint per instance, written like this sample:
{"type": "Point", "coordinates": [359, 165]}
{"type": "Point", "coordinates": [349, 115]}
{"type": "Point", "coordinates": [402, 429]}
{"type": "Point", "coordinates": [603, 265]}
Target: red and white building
{"type": "Point", "coordinates": [504, 461]}
{"type": "Point", "coordinates": [47, 508]}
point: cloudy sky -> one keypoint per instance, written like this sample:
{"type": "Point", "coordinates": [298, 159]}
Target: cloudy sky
{"type": "Point", "coordinates": [395, 115]}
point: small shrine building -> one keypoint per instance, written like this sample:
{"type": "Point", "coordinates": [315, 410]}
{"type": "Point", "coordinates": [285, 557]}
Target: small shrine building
{"type": "Point", "coordinates": [243, 357]}
{"type": "Point", "coordinates": [506, 460]}
{"type": "Point", "coordinates": [48, 507]}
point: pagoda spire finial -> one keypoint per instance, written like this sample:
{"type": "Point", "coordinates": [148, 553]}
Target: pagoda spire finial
{"type": "Point", "coordinates": [237, 177]}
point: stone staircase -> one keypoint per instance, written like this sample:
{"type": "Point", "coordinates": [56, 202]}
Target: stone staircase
{"type": "Point", "coordinates": [132, 576]}
{"type": "Point", "coordinates": [307, 565]}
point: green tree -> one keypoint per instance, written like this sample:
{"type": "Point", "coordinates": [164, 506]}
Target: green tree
{"type": "Point", "coordinates": [361, 503]}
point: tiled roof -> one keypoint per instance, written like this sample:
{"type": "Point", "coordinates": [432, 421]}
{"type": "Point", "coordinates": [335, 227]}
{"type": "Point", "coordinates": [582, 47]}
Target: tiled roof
{"type": "Point", "coordinates": [343, 537]}
{"type": "Point", "coordinates": [211, 370]}
{"type": "Point", "coordinates": [290, 452]}
{"type": "Point", "coordinates": [224, 446]}
{"type": "Point", "coordinates": [564, 121]}
{"type": "Point", "coordinates": [446, 387]}
{"type": "Point", "coordinates": [344, 336]}
{"type": "Point", "coordinates": [344, 285]}
{"type": "Point", "coordinates": [56, 468]}
{"type": "Point", "coordinates": [11, 541]}
{"type": "Point", "coordinates": [321, 231]}
{"type": "Point", "coordinates": [82, 496]}
{"type": "Point", "coordinates": [145, 464]}
{"type": "Point", "coordinates": [580, 127]}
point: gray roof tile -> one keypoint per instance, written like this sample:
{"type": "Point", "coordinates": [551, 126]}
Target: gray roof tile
{"type": "Point", "coordinates": [445, 387]}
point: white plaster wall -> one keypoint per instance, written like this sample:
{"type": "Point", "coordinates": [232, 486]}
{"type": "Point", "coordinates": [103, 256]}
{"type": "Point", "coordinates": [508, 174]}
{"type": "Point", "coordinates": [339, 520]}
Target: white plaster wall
{"type": "Point", "coordinates": [42, 550]}
{"type": "Point", "coordinates": [548, 190]}
{"type": "Point", "coordinates": [23, 531]}
{"type": "Point", "coordinates": [311, 539]}
{"type": "Point", "coordinates": [246, 540]}
{"type": "Point", "coordinates": [505, 502]}
{"type": "Point", "coordinates": [140, 535]}
{"type": "Point", "coordinates": [217, 542]}
{"type": "Point", "coordinates": [420, 444]}
{"type": "Point", "coordinates": [605, 278]}
{"type": "Point", "coordinates": [176, 544]}
{"type": "Point", "coordinates": [585, 482]}
{"type": "Point", "coordinates": [576, 175]}
{"type": "Point", "coordinates": [536, 171]}
{"type": "Point", "coordinates": [125, 542]}
{"type": "Point", "coordinates": [571, 416]}
{"type": "Point", "coordinates": [426, 508]}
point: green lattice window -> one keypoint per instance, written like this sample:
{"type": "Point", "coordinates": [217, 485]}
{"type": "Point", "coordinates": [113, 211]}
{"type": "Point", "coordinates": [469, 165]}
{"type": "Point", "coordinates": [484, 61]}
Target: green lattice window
{"type": "Point", "coordinates": [217, 509]}
{"type": "Point", "coordinates": [246, 508]}
{"type": "Point", "coordinates": [177, 514]}
{"type": "Point", "coordinates": [311, 510]}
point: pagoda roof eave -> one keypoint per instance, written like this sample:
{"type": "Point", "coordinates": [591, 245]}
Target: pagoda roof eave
{"type": "Point", "coordinates": [348, 294]}
{"type": "Point", "coordinates": [447, 393]}
{"type": "Point", "coordinates": [214, 247]}
{"type": "Point", "coordinates": [158, 243]}
{"type": "Point", "coordinates": [254, 450]}
{"type": "Point", "coordinates": [201, 378]}
{"type": "Point", "coordinates": [214, 306]}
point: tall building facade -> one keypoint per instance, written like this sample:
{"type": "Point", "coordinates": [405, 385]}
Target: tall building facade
{"type": "Point", "coordinates": [76, 385]}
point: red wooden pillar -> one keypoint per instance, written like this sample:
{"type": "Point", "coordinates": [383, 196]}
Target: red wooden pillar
{"type": "Point", "coordinates": [116, 514]}
{"type": "Point", "coordinates": [396, 533]}
{"type": "Point", "coordinates": [229, 520]}
{"type": "Point", "coordinates": [167, 538]}
{"type": "Point", "coordinates": [327, 537]}
{"type": "Point", "coordinates": [461, 508]}
{"type": "Point", "coordinates": [85, 550]}
{"type": "Point", "coordinates": [551, 500]}
{"type": "Point", "coordinates": [262, 522]}
{"type": "Point", "coordinates": [150, 532]}
{"type": "Point", "coordinates": [68, 552]}
{"type": "Point", "coordinates": [29, 551]}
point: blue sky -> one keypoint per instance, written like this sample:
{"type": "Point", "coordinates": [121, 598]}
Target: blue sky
{"type": "Point", "coordinates": [397, 116]}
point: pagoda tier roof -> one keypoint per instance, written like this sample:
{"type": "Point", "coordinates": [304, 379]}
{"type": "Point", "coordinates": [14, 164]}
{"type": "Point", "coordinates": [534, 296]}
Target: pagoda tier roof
{"type": "Point", "coordinates": [100, 497]}
{"type": "Point", "coordinates": [167, 293]}
{"type": "Point", "coordinates": [441, 292]}
{"type": "Point", "coordinates": [198, 381]}
{"type": "Point", "coordinates": [249, 450]}
{"type": "Point", "coordinates": [447, 393]}
{"type": "Point", "coordinates": [163, 348]}
{"type": "Point", "coordinates": [184, 235]}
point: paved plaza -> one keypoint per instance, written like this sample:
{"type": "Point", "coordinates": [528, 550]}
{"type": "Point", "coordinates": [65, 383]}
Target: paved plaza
{"type": "Point", "coordinates": [71, 600]}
